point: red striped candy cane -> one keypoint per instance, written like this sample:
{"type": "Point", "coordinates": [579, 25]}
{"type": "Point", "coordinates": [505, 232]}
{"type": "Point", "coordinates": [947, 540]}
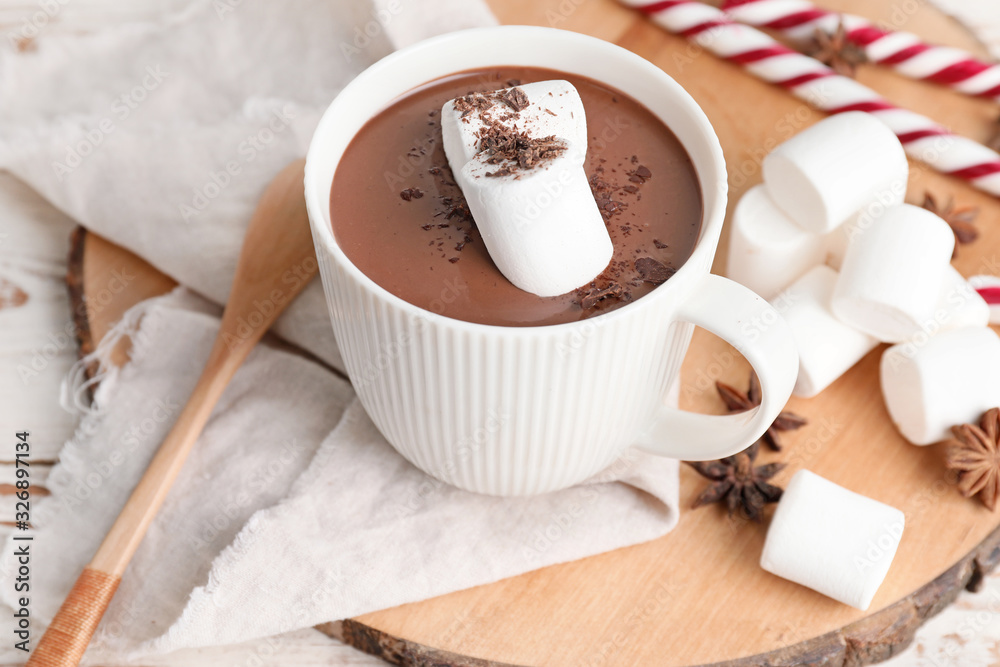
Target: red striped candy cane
{"type": "Point", "coordinates": [988, 288]}
{"type": "Point", "coordinates": [903, 51]}
{"type": "Point", "coordinates": [820, 86]}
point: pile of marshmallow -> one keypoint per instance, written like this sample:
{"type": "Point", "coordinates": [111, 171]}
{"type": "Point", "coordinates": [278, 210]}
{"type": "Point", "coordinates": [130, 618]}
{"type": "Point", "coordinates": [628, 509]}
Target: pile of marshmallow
{"type": "Point", "coordinates": [829, 242]}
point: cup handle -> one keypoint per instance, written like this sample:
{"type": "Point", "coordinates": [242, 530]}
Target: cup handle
{"type": "Point", "coordinates": [751, 325]}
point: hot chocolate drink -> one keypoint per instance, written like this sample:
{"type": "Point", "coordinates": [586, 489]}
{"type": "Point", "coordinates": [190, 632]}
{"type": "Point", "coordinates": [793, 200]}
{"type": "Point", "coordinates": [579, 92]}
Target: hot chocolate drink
{"type": "Point", "coordinates": [401, 219]}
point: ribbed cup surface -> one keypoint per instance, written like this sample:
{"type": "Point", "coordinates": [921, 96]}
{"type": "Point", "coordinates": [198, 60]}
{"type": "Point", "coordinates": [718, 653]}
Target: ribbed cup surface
{"type": "Point", "coordinates": [505, 410]}
{"type": "Point", "coordinates": [510, 411]}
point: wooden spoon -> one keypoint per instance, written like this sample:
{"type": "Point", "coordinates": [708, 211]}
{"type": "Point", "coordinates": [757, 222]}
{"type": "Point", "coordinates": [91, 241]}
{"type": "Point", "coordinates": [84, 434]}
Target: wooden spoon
{"type": "Point", "coordinates": [276, 262]}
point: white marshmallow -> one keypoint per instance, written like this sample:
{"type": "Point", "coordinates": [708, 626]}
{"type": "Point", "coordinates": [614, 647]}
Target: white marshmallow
{"type": "Point", "coordinates": [989, 288]}
{"type": "Point", "coordinates": [541, 226]}
{"type": "Point", "coordinates": [951, 379]}
{"type": "Point", "coordinates": [958, 306]}
{"type": "Point", "coordinates": [544, 244]}
{"type": "Point", "coordinates": [835, 243]}
{"type": "Point", "coordinates": [832, 540]}
{"type": "Point", "coordinates": [839, 168]}
{"type": "Point", "coordinates": [893, 272]}
{"type": "Point", "coordinates": [568, 120]}
{"type": "Point", "coordinates": [827, 347]}
{"type": "Point", "coordinates": [767, 251]}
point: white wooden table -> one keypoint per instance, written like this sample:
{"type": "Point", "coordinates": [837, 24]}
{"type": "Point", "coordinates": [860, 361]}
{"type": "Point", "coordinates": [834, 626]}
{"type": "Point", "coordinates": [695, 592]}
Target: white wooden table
{"type": "Point", "coordinates": [37, 348]}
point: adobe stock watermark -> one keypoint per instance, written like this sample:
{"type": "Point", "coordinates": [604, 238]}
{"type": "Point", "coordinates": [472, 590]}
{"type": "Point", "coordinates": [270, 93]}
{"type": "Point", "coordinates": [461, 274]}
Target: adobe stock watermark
{"type": "Point", "coordinates": [136, 438]}
{"type": "Point", "coordinates": [466, 447]}
{"type": "Point", "coordinates": [652, 606]}
{"type": "Point", "coordinates": [695, 48]}
{"type": "Point", "coordinates": [415, 158]}
{"type": "Point", "coordinates": [973, 624]}
{"type": "Point", "coordinates": [928, 499]}
{"type": "Point", "coordinates": [585, 496]}
{"type": "Point", "coordinates": [203, 195]}
{"type": "Point", "coordinates": [705, 378]}
{"type": "Point", "coordinates": [56, 342]}
{"type": "Point", "coordinates": [121, 108]}
{"type": "Point", "coordinates": [949, 309]}
{"type": "Point", "coordinates": [259, 317]}
{"type": "Point", "coordinates": [900, 15]}
{"type": "Point", "coordinates": [233, 509]}
{"type": "Point", "coordinates": [391, 350]}
{"type": "Point", "coordinates": [755, 327]}
{"type": "Point", "coordinates": [562, 12]}
{"type": "Point", "coordinates": [880, 548]}
{"type": "Point", "coordinates": [785, 128]}
{"type": "Point", "coordinates": [820, 434]}
{"type": "Point", "coordinates": [554, 188]}
{"type": "Point", "coordinates": [224, 8]}
{"type": "Point", "coordinates": [575, 340]}
{"type": "Point", "coordinates": [362, 35]}
{"type": "Point", "coordinates": [885, 199]}
{"type": "Point", "coordinates": [32, 24]}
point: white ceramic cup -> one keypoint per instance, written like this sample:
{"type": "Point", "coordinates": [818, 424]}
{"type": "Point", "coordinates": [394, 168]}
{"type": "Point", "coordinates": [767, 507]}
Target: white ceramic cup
{"type": "Point", "coordinates": [526, 410]}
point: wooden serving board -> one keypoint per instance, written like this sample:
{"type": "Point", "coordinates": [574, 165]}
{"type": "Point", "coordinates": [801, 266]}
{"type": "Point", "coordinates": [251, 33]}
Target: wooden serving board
{"type": "Point", "coordinates": [697, 596]}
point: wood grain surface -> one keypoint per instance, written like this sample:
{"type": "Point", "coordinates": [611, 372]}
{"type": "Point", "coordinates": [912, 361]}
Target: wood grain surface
{"type": "Point", "coordinates": [697, 596]}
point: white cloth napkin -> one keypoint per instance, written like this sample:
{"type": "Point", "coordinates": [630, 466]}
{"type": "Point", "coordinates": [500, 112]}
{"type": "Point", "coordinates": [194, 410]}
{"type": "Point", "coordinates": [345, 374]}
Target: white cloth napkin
{"type": "Point", "coordinates": [292, 510]}
{"type": "Point", "coordinates": [130, 130]}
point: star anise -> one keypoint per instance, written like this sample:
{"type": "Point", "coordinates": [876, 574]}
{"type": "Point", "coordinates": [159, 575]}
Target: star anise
{"type": "Point", "coordinates": [738, 401]}
{"type": "Point", "coordinates": [837, 51]}
{"type": "Point", "coordinates": [735, 480]}
{"type": "Point", "coordinates": [959, 219]}
{"type": "Point", "coordinates": [974, 453]}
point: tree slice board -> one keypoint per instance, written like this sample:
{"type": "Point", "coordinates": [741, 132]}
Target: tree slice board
{"type": "Point", "coordinates": [697, 596]}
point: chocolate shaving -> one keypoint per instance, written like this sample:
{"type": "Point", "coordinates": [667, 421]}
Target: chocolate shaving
{"type": "Point", "coordinates": [509, 147]}
{"type": "Point", "coordinates": [471, 102]}
{"type": "Point", "coordinates": [515, 98]}
{"type": "Point", "coordinates": [652, 271]}
{"type": "Point", "coordinates": [411, 193]}
{"type": "Point", "coordinates": [659, 244]}
{"type": "Point", "coordinates": [594, 295]}
{"type": "Point", "coordinates": [456, 208]}
{"type": "Point", "coordinates": [502, 171]}
{"type": "Point", "coordinates": [504, 145]}
{"type": "Point", "coordinates": [604, 195]}
{"type": "Point", "coordinates": [640, 175]}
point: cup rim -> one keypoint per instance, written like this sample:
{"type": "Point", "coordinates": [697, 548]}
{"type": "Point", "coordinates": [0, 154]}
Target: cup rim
{"type": "Point", "coordinates": [713, 198]}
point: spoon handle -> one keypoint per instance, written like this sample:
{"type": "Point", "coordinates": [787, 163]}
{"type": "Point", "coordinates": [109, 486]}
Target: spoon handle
{"type": "Point", "coordinates": [276, 262]}
{"type": "Point", "coordinates": [66, 639]}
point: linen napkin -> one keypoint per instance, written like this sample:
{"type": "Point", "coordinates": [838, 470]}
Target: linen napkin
{"type": "Point", "coordinates": [293, 510]}
{"type": "Point", "coordinates": [130, 130]}
{"type": "Point", "coordinates": [291, 501]}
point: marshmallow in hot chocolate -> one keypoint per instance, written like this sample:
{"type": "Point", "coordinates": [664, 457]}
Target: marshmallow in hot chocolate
{"type": "Point", "coordinates": [554, 108]}
{"type": "Point", "coordinates": [518, 155]}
